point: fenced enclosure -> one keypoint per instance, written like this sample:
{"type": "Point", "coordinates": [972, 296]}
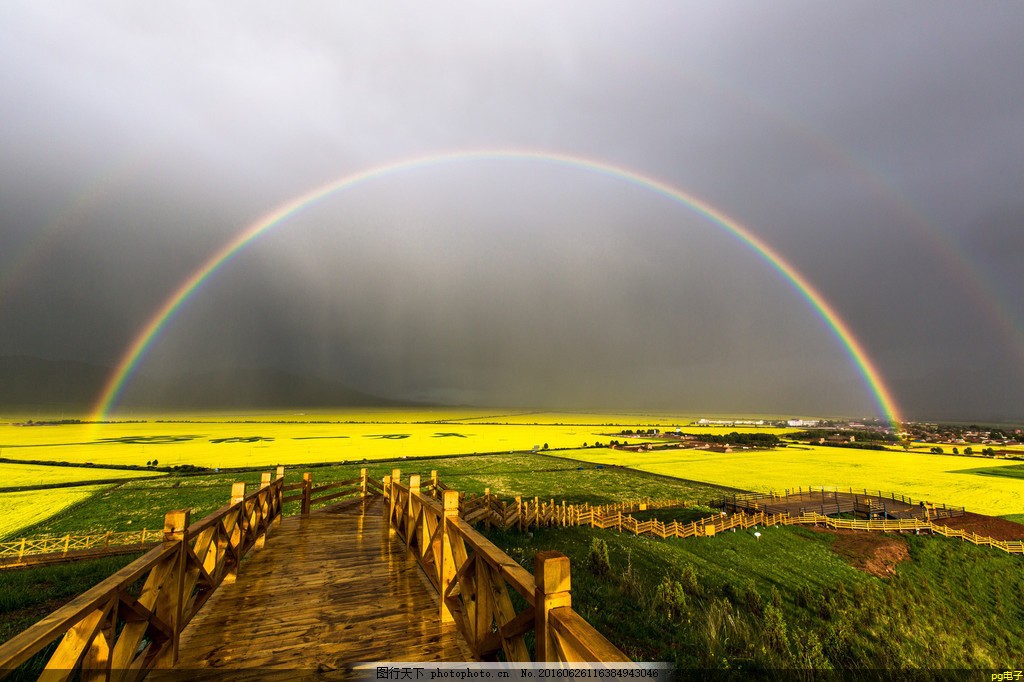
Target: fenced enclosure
{"type": "Point", "coordinates": [860, 503]}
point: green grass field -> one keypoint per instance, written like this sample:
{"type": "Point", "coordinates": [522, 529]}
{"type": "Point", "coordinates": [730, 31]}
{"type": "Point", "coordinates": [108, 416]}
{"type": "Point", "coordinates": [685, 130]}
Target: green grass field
{"type": "Point", "coordinates": [792, 600]}
{"type": "Point", "coordinates": [134, 505]}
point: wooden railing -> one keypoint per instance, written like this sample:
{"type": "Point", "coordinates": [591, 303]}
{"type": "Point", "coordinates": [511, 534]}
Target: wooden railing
{"type": "Point", "coordinates": [50, 549]}
{"type": "Point", "coordinates": [724, 522]}
{"type": "Point", "coordinates": [20, 552]}
{"type": "Point", "coordinates": [525, 514]}
{"type": "Point", "coordinates": [476, 582]}
{"type": "Point", "coordinates": [131, 622]}
{"type": "Point", "coordinates": [839, 501]}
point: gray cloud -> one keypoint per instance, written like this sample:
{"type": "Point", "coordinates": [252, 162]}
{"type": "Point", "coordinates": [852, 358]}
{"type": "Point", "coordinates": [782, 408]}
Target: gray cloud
{"type": "Point", "coordinates": [876, 146]}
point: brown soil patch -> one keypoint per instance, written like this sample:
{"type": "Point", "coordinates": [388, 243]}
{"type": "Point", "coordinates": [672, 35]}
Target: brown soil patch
{"type": "Point", "coordinates": [873, 553]}
{"type": "Point", "coordinates": [989, 526]}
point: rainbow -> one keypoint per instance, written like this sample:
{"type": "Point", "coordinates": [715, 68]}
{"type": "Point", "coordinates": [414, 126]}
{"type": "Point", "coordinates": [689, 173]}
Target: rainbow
{"type": "Point", "coordinates": [139, 346]}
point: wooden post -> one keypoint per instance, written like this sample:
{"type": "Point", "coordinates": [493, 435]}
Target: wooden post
{"type": "Point", "coordinates": [385, 484]}
{"type": "Point", "coordinates": [176, 530]}
{"type": "Point", "coordinates": [264, 503]}
{"type": "Point", "coordinates": [278, 497]}
{"type": "Point", "coordinates": [237, 492]}
{"type": "Point", "coordinates": [487, 499]}
{"type": "Point", "coordinates": [519, 511]}
{"type": "Point", "coordinates": [410, 514]}
{"type": "Point", "coordinates": [362, 484]}
{"type": "Point", "coordinates": [551, 573]}
{"type": "Point", "coordinates": [434, 492]}
{"type": "Point", "coordinates": [446, 566]}
{"type": "Point", "coordinates": [396, 477]}
{"type": "Point", "coordinates": [237, 497]}
{"type": "Point", "coordinates": [307, 492]}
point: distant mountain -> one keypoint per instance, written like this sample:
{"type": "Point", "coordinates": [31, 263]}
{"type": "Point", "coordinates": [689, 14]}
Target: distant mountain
{"type": "Point", "coordinates": [28, 382]}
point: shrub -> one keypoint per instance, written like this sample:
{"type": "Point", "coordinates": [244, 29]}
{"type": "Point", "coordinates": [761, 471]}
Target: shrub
{"type": "Point", "coordinates": [774, 631]}
{"type": "Point", "coordinates": [670, 599]}
{"type": "Point", "coordinates": [809, 652]}
{"type": "Point", "coordinates": [632, 586]}
{"type": "Point", "coordinates": [752, 599]}
{"type": "Point", "coordinates": [597, 561]}
{"type": "Point", "coordinates": [688, 579]}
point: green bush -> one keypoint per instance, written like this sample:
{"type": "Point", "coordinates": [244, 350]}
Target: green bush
{"type": "Point", "coordinates": [597, 561]}
{"type": "Point", "coordinates": [670, 599]}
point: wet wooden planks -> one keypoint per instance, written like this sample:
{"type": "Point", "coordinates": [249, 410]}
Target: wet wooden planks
{"type": "Point", "coordinates": [327, 590]}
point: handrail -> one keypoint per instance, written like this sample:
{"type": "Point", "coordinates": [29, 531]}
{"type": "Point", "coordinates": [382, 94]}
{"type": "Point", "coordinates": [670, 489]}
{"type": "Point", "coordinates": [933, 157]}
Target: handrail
{"type": "Point", "coordinates": [472, 576]}
{"type": "Point", "coordinates": [113, 628]}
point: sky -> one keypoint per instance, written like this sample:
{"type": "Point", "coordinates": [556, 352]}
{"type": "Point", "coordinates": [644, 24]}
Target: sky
{"type": "Point", "coordinates": [876, 147]}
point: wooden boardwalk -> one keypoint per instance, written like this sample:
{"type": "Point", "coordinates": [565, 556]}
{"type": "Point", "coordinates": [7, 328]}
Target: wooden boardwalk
{"type": "Point", "coordinates": [329, 589]}
{"type": "Point", "coordinates": [245, 593]}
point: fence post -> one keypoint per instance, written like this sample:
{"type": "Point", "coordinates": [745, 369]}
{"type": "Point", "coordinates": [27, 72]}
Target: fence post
{"type": "Point", "coordinates": [446, 564]}
{"type": "Point", "coordinates": [385, 484]}
{"type": "Point", "coordinates": [487, 506]}
{"type": "Point", "coordinates": [410, 514]}
{"type": "Point", "coordinates": [551, 574]}
{"type": "Point", "coordinates": [265, 509]}
{"type": "Point", "coordinates": [176, 530]}
{"type": "Point", "coordinates": [307, 492]}
{"type": "Point", "coordinates": [21, 550]}
{"type": "Point", "coordinates": [362, 485]}
{"type": "Point", "coordinates": [433, 484]}
{"type": "Point", "coordinates": [396, 477]}
{"type": "Point", "coordinates": [519, 512]}
{"type": "Point", "coordinates": [278, 494]}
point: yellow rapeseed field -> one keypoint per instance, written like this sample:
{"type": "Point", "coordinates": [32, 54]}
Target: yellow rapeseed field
{"type": "Point", "coordinates": [16, 475]}
{"type": "Point", "coordinates": [262, 440]}
{"type": "Point", "coordinates": [24, 509]}
{"type": "Point", "coordinates": [935, 478]}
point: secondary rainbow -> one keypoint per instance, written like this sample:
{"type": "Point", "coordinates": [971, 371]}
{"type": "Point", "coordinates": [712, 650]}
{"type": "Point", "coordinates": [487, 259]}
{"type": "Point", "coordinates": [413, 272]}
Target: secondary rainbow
{"type": "Point", "coordinates": [136, 351]}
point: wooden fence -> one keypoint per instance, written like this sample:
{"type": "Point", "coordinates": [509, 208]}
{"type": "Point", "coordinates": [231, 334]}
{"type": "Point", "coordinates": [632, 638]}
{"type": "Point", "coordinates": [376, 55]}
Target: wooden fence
{"type": "Point", "coordinates": [825, 500]}
{"type": "Point", "coordinates": [473, 579]}
{"type": "Point", "coordinates": [53, 549]}
{"type": "Point", "coordinates": [132, 621]}
{"type": "Point", "coordinates": [723, 522]}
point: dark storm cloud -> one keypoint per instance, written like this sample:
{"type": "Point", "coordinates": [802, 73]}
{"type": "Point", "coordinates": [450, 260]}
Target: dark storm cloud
{"type": "Point", "coordinates": [877, 146]}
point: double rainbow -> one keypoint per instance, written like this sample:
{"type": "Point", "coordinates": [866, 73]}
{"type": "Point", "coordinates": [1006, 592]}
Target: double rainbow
{"type": "Point", "coordinates": [136, 351]}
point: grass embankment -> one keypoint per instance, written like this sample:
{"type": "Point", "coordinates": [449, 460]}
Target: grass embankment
{"type": "Point", "coordinates": [28, 595]}
{"type": "Point", "coordinates": [791, 599]}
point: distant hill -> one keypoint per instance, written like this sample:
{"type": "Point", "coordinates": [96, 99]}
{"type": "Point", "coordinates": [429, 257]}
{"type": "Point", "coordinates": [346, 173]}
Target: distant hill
{"type": "Point", "coordinates": [28, 382]}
